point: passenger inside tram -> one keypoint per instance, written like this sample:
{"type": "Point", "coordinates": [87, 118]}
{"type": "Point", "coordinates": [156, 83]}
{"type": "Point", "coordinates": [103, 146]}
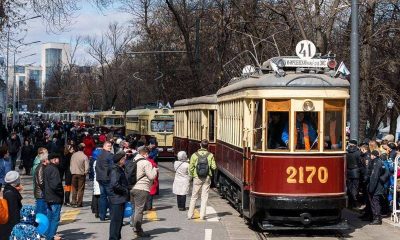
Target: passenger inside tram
{"type": "Point", "coordinates": [333, 130]}
{"type": "Point", "coordinates": [305, 135]}
{"type": "Point", "coordinates": [276, 123]}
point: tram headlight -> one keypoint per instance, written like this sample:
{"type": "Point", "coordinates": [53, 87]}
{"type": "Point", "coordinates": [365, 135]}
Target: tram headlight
{"type": "Point", "coordinates": [280, 63]}
{"type": "Point", "coordinates": [308, 106]}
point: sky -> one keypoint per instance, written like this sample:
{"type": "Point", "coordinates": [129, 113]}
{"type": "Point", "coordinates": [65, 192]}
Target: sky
{"type": "Point", "coordinates": [88, 21]}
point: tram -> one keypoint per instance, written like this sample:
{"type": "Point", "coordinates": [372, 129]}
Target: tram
{"type": "Point", "coordinates": [110, 121]}
{"type": "Point", "coordinates": [153, 122]}
{"type": "Point", "coordinates": [280, 148]}
{"type": "Point", "coordinates": [195, 119]}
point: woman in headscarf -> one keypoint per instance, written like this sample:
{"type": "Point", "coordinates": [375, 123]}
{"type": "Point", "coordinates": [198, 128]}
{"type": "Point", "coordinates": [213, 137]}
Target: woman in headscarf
{"type": "Point", "coordinates": [180, 186]}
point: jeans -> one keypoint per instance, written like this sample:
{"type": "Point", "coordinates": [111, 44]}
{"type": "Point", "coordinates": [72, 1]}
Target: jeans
{"type": "Point", "coordinates": [91, 170]}
{"type": "Point", "coordinates": [117, 216]}
{"type": "Point", "coordinates": [41, 206]}
{"type": "Point", "coordinates": [104, 193]}
{"type": "Point", "coordinates": [13, 158]}
{"type": "Point", "coordinates": [53, 214]}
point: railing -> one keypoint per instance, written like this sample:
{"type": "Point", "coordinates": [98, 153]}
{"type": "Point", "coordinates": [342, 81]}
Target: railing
{"type": "Point", "coordinates": [396, 212]}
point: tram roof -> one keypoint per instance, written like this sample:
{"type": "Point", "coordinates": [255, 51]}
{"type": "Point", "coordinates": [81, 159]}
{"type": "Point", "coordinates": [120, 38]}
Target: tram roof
{"type": "Point", "coordinates": [135, 112]}
{"type": "Point", "coordinates": [291, 80]}
{"type": "Point", "coordinates": [208, 99]}
{"type": "Point", "coordinates": [110, 113]}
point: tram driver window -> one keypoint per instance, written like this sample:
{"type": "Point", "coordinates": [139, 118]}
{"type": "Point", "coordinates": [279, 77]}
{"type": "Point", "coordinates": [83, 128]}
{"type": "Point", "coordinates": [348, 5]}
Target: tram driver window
{"type": "Point", "coordinates": [305, 131]}
{"type": "Point", "coordinates": [276, 124]}
{"type": "Point", "coordinates": [333, 128]}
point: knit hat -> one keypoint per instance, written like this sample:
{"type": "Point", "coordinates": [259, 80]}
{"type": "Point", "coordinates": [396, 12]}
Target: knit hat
{"type": "Point", "coordinates": [23, 231]}
{"type": "Point", "coordinates": [182, 156]}
{"type": "Point", "coordinates": [12, 177]}
{"type": "Point", "coordinates": [375, 153]}
{"type": "Point", "coordinates": [28, 214]}
{"type": "Point", "coordinates": [118, 156]}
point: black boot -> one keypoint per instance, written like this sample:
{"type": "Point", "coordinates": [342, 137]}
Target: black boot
{"type": "Point", "coordinates": [66, 198]}
{"type": "Point", "coordinates": [366, 217]}
{"type": "Point", "coordinates": [377, 221]}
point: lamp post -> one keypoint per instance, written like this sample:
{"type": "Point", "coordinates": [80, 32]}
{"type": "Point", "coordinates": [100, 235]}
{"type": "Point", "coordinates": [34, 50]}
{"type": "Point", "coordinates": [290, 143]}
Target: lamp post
{"type": "Point", "coordinates": [15, 111]}
{"type": "Point", "coordinates": [7, 59]}
{"type": "Point", "coordinates": [355, 75]}
{"type": "Point", "coordinates": [392, 122]}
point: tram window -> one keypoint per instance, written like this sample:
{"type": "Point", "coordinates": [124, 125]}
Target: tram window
{"type": "Point", "coordinates": [162, 125]}
{"type": "Point", "coordinates": [276, 124]}
{"type": "Point", "coordinates": [169, 126]}
{"type": "Point", "coordinates": [258, 124]}
{"type": "Point", "coordinates": [118, 121]}
{"type": "Point", "coordinates": [333, 130]}
{"type": "Point", "coordinates": [306, 131]}
{"type": "Point", "coordinates": [108, 121]}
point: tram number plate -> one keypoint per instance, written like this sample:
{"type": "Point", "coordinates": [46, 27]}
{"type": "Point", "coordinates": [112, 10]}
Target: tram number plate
{"type": "Point", "coordinates": [306, 174]}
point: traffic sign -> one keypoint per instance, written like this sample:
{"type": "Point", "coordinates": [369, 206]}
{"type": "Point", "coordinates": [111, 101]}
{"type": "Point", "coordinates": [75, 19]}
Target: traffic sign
{"type": "Point", "coordinates": [305, 49]}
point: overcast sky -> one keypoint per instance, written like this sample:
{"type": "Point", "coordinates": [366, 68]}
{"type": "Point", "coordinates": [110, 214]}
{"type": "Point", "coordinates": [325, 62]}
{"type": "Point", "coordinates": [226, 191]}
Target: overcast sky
{"type": "Point", "coordinates": [89, 21]}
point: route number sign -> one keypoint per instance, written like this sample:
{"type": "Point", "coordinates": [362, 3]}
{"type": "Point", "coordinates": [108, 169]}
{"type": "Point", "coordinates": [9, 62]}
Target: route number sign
{"type": "Point", "coordinates": [305, 49]}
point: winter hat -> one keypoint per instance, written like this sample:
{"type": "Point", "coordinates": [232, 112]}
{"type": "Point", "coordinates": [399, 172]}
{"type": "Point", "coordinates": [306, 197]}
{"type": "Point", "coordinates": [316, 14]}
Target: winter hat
{"type": "Point", "coordinates": [28, 214]}
{"type": "Point", "coordinates": [119, 140]}
{"type": "Point", "coordinates": [182, 156]}
{"type": "Point", "coordinates": [12, 177]}
{"type": "Point", "coordinates": [353, 141]}
{"type": "Point", "coordinates": [152, 142]}
{"type": "Point", "coordinates": [23, 231]}
{"type": "Point", "coordinates": [375, 153]}
{"type": "Point", "coordinates": [389, 138]}
{"type": "Point", "coordinates": [118, 156]}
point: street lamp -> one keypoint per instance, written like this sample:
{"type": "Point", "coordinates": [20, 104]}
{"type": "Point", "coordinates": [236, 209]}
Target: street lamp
{"type": "Point", "coordinates": [7, 59]}
{"type": "Point", "coordinates": [392, 122]}
{"type": "Point", "coordinates": [15, 111]}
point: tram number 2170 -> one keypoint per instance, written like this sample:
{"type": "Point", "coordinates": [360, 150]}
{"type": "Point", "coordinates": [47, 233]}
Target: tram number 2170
{"type": "Point", "coordinates": [306, 174]}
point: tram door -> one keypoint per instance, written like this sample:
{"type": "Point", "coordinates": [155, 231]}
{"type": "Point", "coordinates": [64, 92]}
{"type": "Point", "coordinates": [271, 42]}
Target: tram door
{"type": "Point", "coordinates": [247, 158]}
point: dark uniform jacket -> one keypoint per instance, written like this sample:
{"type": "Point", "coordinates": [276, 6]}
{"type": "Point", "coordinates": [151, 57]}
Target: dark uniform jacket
{"type": "Point", "coordinates": [53, 189]}
{"type": "Point", "coordinates": [14, 199]}
{"type": "Point", "coordinates": [103, 166]}
{"type": "Point", "coordinates": [353, 161]}
{"type": "Point", "coordinates": [377, 176]}
{"type": "Point", "coordinates": [39, 182]}
{"type": "Point", "coordinates": [118, 185]}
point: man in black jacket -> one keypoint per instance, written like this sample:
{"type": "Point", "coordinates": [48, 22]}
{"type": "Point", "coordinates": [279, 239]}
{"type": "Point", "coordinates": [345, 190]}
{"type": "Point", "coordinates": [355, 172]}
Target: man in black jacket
{"type": "Point", "coordinates": [103, 168]}
{"type": "Point", "coordinates": [41, 206]}
{"type": "Point", "coordinates": [13, 144]}
{"type": "Point", "coordinates": [119, 195]}
{"type": "Point", "coordinates": [353, 160]}
{"type": "Point", "coordinates": [376, 177]}
{"type": "Point", "coordinates": [54, 194]}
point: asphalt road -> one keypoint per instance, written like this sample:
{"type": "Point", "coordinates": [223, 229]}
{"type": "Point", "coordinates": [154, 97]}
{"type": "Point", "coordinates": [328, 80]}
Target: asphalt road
{"type": "Point", "coordinates": [223, 222]}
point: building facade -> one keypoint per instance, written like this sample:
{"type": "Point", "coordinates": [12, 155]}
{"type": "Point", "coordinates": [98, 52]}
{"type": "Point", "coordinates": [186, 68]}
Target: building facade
{"type": "Point", "coordinates": [54, 57]}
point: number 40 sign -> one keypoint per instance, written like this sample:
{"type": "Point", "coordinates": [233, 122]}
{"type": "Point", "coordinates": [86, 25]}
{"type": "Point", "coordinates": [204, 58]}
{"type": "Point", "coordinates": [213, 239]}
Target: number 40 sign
{"type": "Point", "coordinates": [305, 49]}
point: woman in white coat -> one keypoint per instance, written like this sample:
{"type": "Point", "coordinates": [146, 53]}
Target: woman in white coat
{"type": "Point", "coordinates": [182, 179]}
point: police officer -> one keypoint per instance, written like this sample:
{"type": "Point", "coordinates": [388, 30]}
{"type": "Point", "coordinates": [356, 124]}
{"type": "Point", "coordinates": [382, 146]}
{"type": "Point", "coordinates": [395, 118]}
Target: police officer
{"type": "Point", "coordinates": [376, 178]}
{"type": "Point", "coordinates": [353, 172]}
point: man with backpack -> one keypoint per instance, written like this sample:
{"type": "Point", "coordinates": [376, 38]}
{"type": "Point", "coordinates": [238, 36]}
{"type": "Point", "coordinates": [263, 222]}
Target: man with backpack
{"type": "Point", "coordinates": [201, 166]}
{"type": "Point", "coordinates": [140, 178]}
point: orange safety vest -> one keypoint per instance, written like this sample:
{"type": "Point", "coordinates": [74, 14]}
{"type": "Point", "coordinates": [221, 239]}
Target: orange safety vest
{"type": "Point", "coordinates": [306, 138]}
{"type": "Point", "coordinates": [332, 132]}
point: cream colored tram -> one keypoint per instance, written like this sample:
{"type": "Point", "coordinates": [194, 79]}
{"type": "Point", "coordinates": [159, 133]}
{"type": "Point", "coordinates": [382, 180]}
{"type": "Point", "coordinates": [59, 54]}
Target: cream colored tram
{"type": "Point", "coordinates": [153, 123]}
{"type": "Point", "coordinates": [195, 119]}
{"type": "Point", "coordinates": [110, 121]}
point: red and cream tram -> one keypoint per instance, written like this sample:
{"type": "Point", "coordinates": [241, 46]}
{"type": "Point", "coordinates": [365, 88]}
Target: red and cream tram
{"type": "Point", "coordinates": [280, 143]}
{"type": "Point", "coordinates": [195, 119]}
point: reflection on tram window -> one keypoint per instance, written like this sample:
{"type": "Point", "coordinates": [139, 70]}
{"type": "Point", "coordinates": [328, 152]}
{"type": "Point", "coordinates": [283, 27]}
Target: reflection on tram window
{"type": "Point", "coordinates": [333, 128]}
{"type": "Point", "coordinates": [258, 124]}
{"type": "Point", "coordinates": [305, 131]}
{"type": "Point", "coordinates": [276, 124]}
{"type": "Point", "coordinates": [162, 125]}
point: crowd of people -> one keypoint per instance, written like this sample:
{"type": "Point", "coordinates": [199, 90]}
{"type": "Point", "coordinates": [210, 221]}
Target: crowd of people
{"type": "Point", "coordinates": [370, 177]}
{"type": "Point", "coordinates": [62, 157]}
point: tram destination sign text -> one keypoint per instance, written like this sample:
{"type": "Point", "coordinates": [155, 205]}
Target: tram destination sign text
{"type": "Point", "coordinates": [314, 63]}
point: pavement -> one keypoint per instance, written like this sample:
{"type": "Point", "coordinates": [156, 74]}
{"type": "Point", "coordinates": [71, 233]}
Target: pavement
{"type": "Point", "coordinates": [223, 222]}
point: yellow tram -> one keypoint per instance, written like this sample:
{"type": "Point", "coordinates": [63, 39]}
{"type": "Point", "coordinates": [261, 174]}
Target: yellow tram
{"type": "Point", "coordinates": [107, 121]}
{"type": "Point", "coordinates": [149, 123]}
